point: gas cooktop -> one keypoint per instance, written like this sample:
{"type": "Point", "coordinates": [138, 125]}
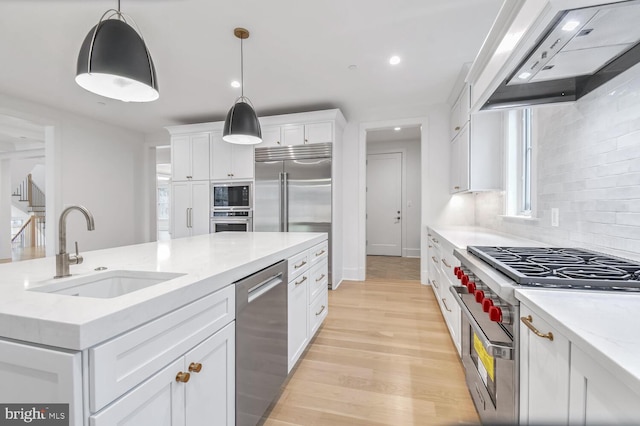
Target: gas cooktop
{"type": "Point", "coordinates": [562, 267]}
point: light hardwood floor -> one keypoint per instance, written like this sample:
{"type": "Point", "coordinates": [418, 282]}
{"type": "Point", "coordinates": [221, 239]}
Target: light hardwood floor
{"type": "Point", "coordinates": [382, 357]}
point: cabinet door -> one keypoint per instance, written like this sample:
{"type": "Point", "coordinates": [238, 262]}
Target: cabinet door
{"type": "Point", "coordinates": [464, 159]}
{"type": "Point", "coordinates": [200, 156]}
{"type": "Point", "coordinates": [270, 137]}
{"type": "Point", "coordinates": [200, 208]}
{"type": "Point", "coordinates": [597, 397]}
{"type": "Point", "coordinates": [180, 209]}
{"type": "Point", "coordinates": [159, 401]}
{"type": "Point", "coordinates": [220, 157]}
{"type": "Point", "coordinates": [210, 393]}
{"type": "Point", "coordinates": [297, 316]}
{"type": "Point", "coordinates": [242, 162]}
{"type": "Point", "coordinates": [454, 165]}
{"type": "Point", "coordinates": [318, 132]}
{"type": "Point", "coordinates": [544, 373]}
{"type": "Point", "coordinates": [454, 120]}
{"type": "Point", "coordinates": [180, 158]}
{"type": "Point", "coordinates": [34, 374]}
{"type": "Point", "coordinates": [293, 134]}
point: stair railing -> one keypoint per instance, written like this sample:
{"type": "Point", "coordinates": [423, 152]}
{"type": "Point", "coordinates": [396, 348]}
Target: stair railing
{"type": "Point", "coordinates": [30, 192]}
{"type": "Point", "coordinates": [32, 233]}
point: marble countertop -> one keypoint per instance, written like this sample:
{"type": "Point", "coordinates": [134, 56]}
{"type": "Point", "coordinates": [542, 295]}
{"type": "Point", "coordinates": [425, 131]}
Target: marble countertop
{"type": "Point", "coordinates": [208, 262]}
{"type": "Point", "coordinates": [602, 324]}
{"type": "Point", "coordinates": [463, 236]}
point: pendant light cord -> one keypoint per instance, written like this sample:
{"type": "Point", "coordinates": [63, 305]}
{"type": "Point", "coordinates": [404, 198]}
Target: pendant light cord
{"type": "Point", "coordinates": [241, 69]}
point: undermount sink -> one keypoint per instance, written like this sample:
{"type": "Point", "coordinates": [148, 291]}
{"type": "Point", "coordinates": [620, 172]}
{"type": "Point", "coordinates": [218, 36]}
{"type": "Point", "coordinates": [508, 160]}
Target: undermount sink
{"type": "Point", "coordinates": [106, 285]}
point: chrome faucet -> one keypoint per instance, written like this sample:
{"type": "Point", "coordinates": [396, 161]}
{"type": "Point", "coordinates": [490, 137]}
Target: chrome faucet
{"type": "Point", "coordinates": [63, 259]}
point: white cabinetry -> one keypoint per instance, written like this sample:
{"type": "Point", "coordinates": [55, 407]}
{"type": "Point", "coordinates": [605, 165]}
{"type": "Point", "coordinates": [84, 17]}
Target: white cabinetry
{"type": "Point", "coordinates": [475, 149]}
{"type": "Point", "coordinates": [560, 383]}
{"type": "Point", "coordinates": [440, 269]}
{"type": "Point", "coordinates": [544, 372]}
{"type": "Point", "coordinates": [39, 375]}
{"type": "Point", "coordinates": [230, 161]}
{"type": "Point", "coordinates": [297, 134]}
{"type": "Point", "coordinates": [308, 298]}
{"type": "Point", "coordinates": [190, 208]}
{"type": "Point", "coordinates": [190, 157]}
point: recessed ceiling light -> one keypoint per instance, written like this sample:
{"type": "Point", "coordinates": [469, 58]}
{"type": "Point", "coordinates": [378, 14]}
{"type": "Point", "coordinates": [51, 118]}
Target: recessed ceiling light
{"type": "Point", "coordinates": [235, 84]}
{"type": "Point", "coordinates": [570, 25]}
{"type": "Point", "coordinates": [394, 60]}
{"type": "Point", "coordinates": [397, 129]}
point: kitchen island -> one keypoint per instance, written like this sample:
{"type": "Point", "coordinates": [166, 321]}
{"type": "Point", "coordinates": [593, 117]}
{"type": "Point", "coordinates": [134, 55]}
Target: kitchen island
{"type": "Point", "coordinates": [110, 356]}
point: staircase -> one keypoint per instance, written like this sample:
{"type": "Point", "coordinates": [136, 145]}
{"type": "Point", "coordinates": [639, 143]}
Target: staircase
{"type": "Point", "coordinates": [32, 232]}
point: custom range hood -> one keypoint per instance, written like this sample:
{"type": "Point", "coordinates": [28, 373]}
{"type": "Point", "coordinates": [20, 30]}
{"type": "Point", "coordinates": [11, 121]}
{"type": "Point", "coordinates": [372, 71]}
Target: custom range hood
{"type": "Point", "coordinates": [580, 50]}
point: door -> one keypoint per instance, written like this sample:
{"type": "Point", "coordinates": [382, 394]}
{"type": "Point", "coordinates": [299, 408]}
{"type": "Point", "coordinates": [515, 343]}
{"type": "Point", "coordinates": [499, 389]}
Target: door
{"type": "Point", "coordinates": [210, 393]}
{"type": "Point", "coordinates": [267, 209]}
{"type": "Point", "coordinates": [384, 201]}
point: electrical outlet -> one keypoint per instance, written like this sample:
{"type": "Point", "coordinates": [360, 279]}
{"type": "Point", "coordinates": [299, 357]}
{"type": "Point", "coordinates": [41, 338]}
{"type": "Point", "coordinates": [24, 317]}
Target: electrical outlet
{"type": "Point", "coordinates": [555, 216]}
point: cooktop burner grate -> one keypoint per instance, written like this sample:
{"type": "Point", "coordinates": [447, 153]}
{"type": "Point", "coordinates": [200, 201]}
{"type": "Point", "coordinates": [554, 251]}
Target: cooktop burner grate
{"type": "Point", "coordinates": [562, 267]}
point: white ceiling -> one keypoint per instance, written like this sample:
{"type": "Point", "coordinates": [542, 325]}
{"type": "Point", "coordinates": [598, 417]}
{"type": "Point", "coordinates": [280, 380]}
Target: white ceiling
{"type": "Point", "coordinates": [297, 58]}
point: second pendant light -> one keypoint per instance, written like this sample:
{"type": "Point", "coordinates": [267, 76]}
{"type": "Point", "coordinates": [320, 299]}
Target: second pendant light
{"type": "Point", "coordinates": [241, 125]}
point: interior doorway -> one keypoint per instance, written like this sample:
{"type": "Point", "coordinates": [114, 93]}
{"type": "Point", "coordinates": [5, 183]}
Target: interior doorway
{"type": "Point", "coordinates": [163, 192]}
{"type": "Point", "coordinates": [393, 192]}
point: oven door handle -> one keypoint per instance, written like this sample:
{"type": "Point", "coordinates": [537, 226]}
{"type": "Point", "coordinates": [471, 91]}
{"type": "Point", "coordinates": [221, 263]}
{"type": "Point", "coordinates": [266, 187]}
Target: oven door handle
{"type": "Point", "coordinates": [495, 349]}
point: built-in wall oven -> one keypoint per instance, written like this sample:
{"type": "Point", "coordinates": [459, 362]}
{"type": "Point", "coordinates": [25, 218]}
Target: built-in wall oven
{"type": "Point", "coordinates": [232, 207]}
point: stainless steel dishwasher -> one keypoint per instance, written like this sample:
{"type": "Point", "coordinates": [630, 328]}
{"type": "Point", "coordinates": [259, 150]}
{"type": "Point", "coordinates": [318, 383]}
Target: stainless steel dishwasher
{"type": "Point", "coordinates": [261, 342]}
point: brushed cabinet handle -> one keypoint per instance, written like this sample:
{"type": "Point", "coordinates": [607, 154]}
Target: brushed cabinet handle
{"type": "Point", "coordinates": [445, 263]}
{"type": "Point", "coordinates": [320, 278]}
{"type": "Point", "coordinates": [183, 377]}
{"type": "Point", "coordinates": [320, 253]}
{"type": "Point", "coordinates": [301, 281]}
{"type": "Point", "coordinates": [528, 320]}
{"type": "Point", "coordinates": [304, 262]}
{"type": "Point", "coordinates": [195, 367]}
{"type": "Point", "coordinates": [434, 259]}
{"type": "Point", "coordinates": [456, 187]}
{"type": "Point", "coordinates": [321, 309]}
{"type": "Point", "coordinates": [444, 302]}
{"type": "Point", "coordinates": [435, 283]}
{"type": "Point", "coordinates": [457, 128]}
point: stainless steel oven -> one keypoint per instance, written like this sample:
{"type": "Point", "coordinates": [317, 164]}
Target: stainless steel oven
{"type": "Point", "coordinates": [237, 221]}
{"type": "Point", "coordinates": [489, 348]}
{"type": "Point", "coordinates": [232, 195]}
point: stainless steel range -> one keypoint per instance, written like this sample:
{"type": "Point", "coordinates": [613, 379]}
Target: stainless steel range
{"type": "Point", "coordinates": [488, 277]}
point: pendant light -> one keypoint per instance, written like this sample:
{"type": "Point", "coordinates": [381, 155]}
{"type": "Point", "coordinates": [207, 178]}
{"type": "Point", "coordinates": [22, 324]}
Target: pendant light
{"type": "Point", "coordinates": [114, 61]}
{"type": "Point", "coordinates": [241, 125]}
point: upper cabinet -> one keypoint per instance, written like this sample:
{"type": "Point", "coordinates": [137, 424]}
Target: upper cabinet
{"type": "Point", "coordinates": [190, 157]}
{"type": "Point", "coordinates": [476, 148]}
{"type": "Point", "coordinates": [230, 161]}
{"type": "Point", "coordinates": [297, 134]}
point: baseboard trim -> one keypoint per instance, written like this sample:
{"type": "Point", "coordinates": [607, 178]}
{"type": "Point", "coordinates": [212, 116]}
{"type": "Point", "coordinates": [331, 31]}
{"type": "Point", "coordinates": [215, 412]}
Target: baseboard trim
{"type": "Point", "coordinates": [411, 252]}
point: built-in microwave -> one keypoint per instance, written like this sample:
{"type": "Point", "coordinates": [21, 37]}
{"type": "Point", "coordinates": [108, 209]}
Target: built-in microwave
{"type": "Point", "coordinates": [231, 195]}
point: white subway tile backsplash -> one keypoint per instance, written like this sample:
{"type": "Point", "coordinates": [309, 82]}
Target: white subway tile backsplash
{"type": "Point", "coordinates": [588, 166]}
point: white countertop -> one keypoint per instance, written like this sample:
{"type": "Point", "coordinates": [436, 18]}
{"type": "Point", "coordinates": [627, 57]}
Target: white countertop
{"type": "Point", "coordinates": [209, 262]}
{"type": "Point", "coordinates": [463, 236]}
{"type": "Point", "coordinates": [602, 324]}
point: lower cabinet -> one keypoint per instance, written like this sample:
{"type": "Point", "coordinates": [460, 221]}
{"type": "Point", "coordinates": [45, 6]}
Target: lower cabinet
{"type": "Point", "coordinates": [196, 389]}
{"type": "Point", "coordinates": [308, 298]}
{"type": "Point", "coordinates": [561, 384]}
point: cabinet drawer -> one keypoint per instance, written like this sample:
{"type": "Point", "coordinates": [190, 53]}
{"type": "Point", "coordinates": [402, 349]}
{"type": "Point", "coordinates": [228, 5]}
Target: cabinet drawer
{"type": "Point", "coordinates": [318, 280]}
{"type": "Point", "coordinates": [448, 262]}
{"type": "Point", "coordinates": [318, 311]}
{"type": "Point", "coordinates": [298, 264]}
{"type": "Point", "coordinates": [127, 360]}
{"type": "Point", "coordinates": [319, 252]}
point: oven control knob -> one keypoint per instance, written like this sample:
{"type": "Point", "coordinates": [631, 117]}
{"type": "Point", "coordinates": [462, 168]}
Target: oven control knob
{"type": "Point", "coordinates": [487, 304]}
{"type": "Point", "coordinates": [465, 279]}
{"type": "Point", "coordinates": [479, 296]}
{"type": "Point", "coordinates": [495, 314]}
{"type": "Point", "coordinates": [471, 286]}
{"type": "Point", "coordinates": [455, 270]}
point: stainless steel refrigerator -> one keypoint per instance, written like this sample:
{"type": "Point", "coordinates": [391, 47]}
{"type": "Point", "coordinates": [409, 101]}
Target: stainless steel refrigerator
{"type": "Point", "coordinates": [293, 190]}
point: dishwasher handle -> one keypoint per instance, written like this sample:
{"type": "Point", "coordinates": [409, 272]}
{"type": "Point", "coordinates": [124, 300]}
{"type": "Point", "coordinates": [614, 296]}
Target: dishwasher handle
{"type": "Point", "coordinates": [259, 289]}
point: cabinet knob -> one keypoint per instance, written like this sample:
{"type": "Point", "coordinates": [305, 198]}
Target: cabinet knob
{"type": "Point", "coordinates": [306, 140]}
{"type": "Point", "coordinates": [457, 128]}
{"type": "Point", "coordinates": [195, 367]}
{"type": "Point", "coordinates": [183, 377]}
{"type": "Point", "coordinates": [278, 142]}
{"type": "Point", "coordinates": [189, 177]}
{"type": "Point", "coordinates": [456, 187]}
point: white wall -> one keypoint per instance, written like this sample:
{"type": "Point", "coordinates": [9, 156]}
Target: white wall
{"type": "Point", "coordinates": [588, 159]}
{"type": "Point", "coordinates": [411, 196]}
{"type": "Point", "coordinates": [93, 164]}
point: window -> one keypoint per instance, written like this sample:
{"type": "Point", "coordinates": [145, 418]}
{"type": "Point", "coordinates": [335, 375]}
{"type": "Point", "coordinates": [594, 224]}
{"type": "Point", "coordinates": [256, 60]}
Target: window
{"type": "Point", "coordinates": [520, 174]}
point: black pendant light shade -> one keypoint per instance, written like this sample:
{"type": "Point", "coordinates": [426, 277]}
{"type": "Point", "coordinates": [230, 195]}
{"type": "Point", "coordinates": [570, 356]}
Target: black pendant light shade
{"type": "Point", "coordinates": [114, 62]}
{"type": "Point", "coordinates": [241, 125]}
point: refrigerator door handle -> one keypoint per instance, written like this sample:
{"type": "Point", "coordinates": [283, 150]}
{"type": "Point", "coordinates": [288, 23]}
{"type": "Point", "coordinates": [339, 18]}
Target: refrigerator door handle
{"type": "Point", "coordinates": [285, 201]}
{"type": "Point", "coordinates": [281, 204]}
